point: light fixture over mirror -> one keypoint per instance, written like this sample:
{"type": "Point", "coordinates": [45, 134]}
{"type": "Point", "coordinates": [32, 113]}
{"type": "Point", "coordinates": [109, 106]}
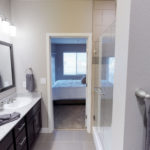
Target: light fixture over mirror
{"type": "Point", "coordinates": [6, 27]}
{"type": "Point", "coordinates": [12, 30]}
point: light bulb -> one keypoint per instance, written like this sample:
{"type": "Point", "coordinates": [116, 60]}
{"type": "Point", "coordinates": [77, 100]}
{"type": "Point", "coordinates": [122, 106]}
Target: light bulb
{"type": "Point", "coordinates": [0, 24]}
{"type": "Point", "coordinates": [5, 27]}
{"type": "Point", "coordinates": [12, 30]}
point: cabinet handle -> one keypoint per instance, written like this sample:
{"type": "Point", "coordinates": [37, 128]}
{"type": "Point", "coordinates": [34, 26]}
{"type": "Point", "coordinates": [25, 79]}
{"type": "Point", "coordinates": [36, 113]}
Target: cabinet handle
{"type": "Point", "coordinates": [23, 141]}
{"type": "Point", "coordinates": [22, 126]}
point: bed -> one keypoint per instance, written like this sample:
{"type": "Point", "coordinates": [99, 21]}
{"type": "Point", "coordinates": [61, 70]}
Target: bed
{"type": "Point", "coordinates": [68, 90]}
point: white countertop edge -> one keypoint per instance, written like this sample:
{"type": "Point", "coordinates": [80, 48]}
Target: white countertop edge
{"type": "Point", "coordinates": [5, 129]}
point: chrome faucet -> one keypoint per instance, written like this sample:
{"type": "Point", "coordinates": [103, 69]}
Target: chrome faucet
{"type": "Point", "coordinates": [11, 100]}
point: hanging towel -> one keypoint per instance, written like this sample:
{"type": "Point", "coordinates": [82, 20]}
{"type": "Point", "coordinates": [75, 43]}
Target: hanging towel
{"type": "Point", "coordinates": [30, 84]}
{"type": "Point", "coordinates": [9, 118]}
{"type": "Point", "coordinates": [147, 144]}
{"type": "Point", "coordinates": [1, 83]}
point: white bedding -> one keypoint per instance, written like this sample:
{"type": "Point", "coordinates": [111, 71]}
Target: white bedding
{"type": "Point", "coordinates": [68, 89]}
{"type": "Point", "coordinates": [68, 83]}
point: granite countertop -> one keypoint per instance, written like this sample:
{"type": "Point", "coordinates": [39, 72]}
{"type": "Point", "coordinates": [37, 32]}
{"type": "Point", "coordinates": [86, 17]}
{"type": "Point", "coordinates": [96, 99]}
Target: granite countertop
{"type": "Point", "coordinates": [5, 129]}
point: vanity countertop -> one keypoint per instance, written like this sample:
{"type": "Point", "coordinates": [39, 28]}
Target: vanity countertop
{"type": "Point", "coordinates": [5, 129]}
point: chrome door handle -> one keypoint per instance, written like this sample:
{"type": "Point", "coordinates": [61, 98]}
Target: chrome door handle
{"type": "Point", "coordinates": [140, 93]}
{"type": "Point", "coordinates": [98, 90]}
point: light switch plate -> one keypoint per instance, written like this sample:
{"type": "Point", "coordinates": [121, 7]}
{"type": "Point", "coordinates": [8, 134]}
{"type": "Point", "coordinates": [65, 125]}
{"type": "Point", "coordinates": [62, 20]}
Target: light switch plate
{"type": "Point", "coordinates": [43, 81]}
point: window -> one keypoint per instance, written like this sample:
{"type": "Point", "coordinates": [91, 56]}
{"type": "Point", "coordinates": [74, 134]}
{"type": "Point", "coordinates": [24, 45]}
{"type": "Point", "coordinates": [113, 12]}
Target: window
{"type": "Point", "coordinates": [111, 68]}
{"type": "Point", "coordinates": [74, 63]}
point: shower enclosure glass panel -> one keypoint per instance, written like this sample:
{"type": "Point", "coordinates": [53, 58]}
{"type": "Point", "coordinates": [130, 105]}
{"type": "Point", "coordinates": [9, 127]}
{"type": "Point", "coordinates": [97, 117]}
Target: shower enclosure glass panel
{"type": "Point", "coordinates": [104, 80]}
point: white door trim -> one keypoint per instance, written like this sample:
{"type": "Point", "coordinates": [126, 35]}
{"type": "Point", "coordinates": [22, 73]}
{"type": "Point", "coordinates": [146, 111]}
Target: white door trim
{"type": "Point", "coordinates": [89, 77]}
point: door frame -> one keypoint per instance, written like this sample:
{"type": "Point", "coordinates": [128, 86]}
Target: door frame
{"type": "Point", "coordinates": [89, 76]}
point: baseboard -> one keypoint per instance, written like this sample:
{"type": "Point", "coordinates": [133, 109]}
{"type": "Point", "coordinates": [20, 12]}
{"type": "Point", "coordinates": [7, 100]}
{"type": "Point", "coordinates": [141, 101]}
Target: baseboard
{"type": "Point", "coordinates": [97, 140]}
{"type": "Point", "coordinates": [45, 130]}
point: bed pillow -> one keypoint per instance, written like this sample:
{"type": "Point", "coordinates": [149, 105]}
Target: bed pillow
{"type": "Point", "coordinates": [83, 80]}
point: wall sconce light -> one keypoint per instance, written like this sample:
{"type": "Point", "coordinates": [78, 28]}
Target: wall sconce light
{"type": "Point", "coordinates": [12, 30]}
{"type": "Point", "coordinates": [5, 27]}
{"type": "Point", "coordinates": [0, 23]}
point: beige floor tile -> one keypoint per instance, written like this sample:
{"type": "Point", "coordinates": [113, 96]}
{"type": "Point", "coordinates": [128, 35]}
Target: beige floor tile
{"type": "Point", "coordinates": [65, 140]}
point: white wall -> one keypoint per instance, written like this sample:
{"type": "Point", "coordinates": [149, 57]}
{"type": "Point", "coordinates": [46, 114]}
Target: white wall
{"type": "Point", "coordinates": [132, 72]}
{"type": "Point", "coordinates": [33, 20]}
{"type": "Point", "coordinates": [5, 12]}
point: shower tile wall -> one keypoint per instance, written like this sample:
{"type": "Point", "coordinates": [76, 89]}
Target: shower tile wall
{"type": "Point", "coordinates": [104, 13]}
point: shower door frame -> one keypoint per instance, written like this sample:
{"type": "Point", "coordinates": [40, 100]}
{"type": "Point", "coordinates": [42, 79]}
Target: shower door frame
{"type": "Point", "coordinates": [50, 128]}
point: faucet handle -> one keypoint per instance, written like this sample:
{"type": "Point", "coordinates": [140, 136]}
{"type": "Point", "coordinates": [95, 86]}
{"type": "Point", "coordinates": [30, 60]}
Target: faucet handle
{"type": "Point", "coordinates": [11, 100]}
{"type": "Point", "coordinates": [1, 104]}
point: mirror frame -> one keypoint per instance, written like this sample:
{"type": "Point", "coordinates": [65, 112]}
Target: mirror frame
{"type": "Point", "coordinates": [12, 66]}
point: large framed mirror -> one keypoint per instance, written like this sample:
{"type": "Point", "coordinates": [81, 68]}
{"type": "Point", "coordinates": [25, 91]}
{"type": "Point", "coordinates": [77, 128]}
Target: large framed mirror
{"type": "Point", "coordinates": [7, 78]}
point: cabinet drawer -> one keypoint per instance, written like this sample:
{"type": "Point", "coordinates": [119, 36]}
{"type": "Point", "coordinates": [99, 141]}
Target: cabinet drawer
{"type": "Point", "coordinates": [6, 142]}
{"type": "Point", "coordinates": [33, 110]}
{"type": "Point", "coordinates": [21, 141]}
{"type": "Point", "coordinates": [19, 127]}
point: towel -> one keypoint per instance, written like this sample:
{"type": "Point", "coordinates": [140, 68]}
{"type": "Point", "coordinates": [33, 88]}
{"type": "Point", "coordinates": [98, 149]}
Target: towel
{"type": "Point", "coordinates": [147, 144]}
{"type": "Point", "coordinates": [1, 83]}
{"type": "Point", "coordinates": [9, 118]}
{"type": "Point", "coordinates": [30, 84]}
{"type": "Point", "coordinates": [5, 117]}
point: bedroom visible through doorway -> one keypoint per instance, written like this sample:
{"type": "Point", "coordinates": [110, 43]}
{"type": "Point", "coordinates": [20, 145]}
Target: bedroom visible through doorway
{"type": "Point", "coordinates": [68, 82]}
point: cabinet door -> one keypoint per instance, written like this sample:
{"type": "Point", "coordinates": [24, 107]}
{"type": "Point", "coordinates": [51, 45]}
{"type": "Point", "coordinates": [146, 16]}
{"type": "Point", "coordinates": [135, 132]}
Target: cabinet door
{"type": "Point", "coordinates": [11, 147]}
{"type": "Point", "coordinates": [30, 133]}
{"type": "Point", "coordinates": [37, 122]}
{"type": "Point", "coordinates": [7, 142]}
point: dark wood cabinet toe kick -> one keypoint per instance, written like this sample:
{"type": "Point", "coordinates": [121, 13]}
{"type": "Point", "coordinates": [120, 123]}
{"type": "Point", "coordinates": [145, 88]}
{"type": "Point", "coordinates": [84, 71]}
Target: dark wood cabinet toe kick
{"type": "Point", "coordinates": [24, 134]}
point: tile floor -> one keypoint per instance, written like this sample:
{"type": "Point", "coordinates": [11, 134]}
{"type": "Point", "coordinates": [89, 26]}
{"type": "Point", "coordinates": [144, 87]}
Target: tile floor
{"type": "Point", "coordinates": [65, 140]}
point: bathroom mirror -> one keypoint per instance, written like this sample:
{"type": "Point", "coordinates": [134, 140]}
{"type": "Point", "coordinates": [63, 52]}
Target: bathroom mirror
{"type": "Point", "coordinates": [7, 79]}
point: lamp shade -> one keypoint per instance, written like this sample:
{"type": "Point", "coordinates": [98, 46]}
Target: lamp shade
{"type": "Point", "coordinates": [5, 27]}
{"type": "Point", "coordinates": [12, 30]}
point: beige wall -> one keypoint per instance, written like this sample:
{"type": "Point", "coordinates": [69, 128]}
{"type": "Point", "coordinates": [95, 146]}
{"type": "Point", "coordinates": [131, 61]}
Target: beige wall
{"type": "Point", "coordinates": [33, 20]}
{"type": "Point", "coordinates": [5, 8]}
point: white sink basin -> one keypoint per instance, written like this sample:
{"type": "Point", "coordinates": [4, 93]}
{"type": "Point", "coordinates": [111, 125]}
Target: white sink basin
{"type": "Point", "coordinates": [18, 103]}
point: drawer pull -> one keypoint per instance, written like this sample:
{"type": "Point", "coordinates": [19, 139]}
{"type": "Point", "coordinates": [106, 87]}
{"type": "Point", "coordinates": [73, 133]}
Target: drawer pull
{"type": "Point", "coordinates": [21, 127]}
{"type": "Point", "coordinates": [23, 141]}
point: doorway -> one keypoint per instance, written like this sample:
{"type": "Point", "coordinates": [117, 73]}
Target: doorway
{"type": "Point", "coordinates": [56, 107]}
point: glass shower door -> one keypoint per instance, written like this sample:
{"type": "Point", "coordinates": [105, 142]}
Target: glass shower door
{"type": "Point", "coordinates": [104, 80]}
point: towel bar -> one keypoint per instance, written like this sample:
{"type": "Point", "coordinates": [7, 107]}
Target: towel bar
{"type": "Point", "coordinates": [140, 93]}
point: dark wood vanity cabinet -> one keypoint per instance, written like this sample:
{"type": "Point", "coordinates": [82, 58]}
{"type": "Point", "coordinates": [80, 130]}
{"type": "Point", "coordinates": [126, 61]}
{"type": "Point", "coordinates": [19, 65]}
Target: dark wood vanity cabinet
{"type": "Point", "coordinates": [33, 120]}
{"type": "Point", "coordinates": [25, 132]}
{"type": "Point", "coordinates": [7, 143]}
{"type": "Point", "coordinates": [20, 136]}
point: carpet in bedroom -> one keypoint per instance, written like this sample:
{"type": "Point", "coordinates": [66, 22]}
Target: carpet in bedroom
{"type": "Point", "coordinates": [69, 116]}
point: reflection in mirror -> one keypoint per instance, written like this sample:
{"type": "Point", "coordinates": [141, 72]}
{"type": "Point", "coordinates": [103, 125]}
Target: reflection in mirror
{"type": "Point", "coordinates": [6, 66]}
